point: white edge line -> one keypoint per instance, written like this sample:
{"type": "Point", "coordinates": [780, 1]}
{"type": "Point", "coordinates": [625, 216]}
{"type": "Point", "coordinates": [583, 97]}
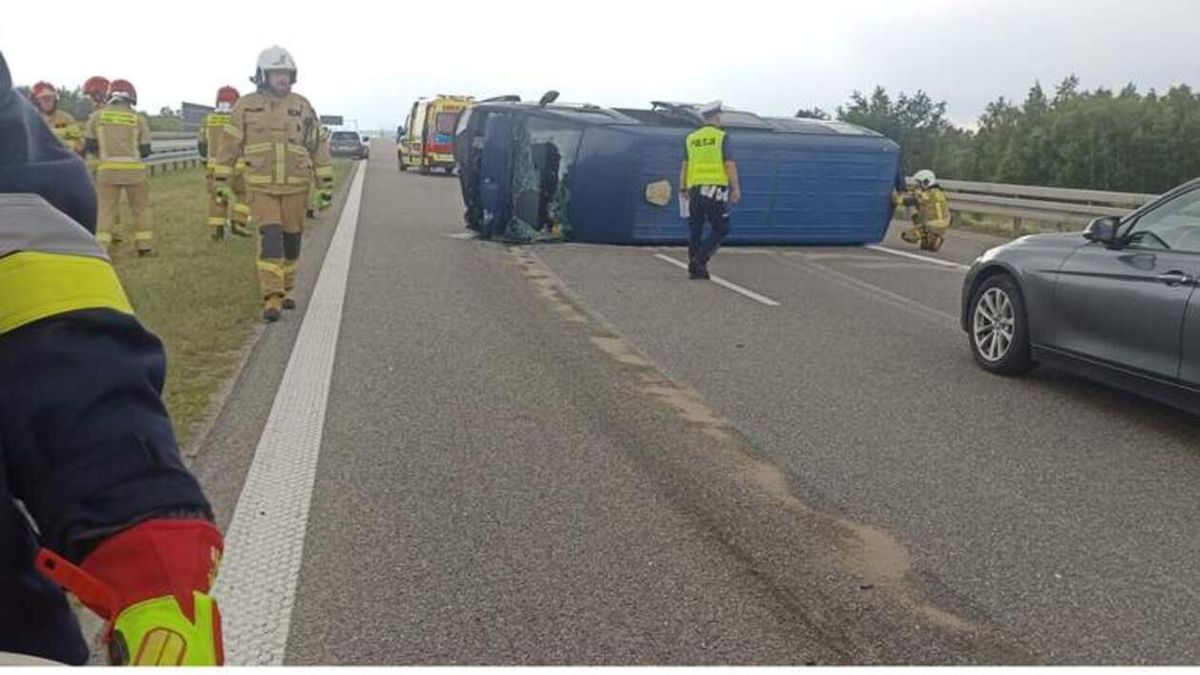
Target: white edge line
{"type": "Point", "coordinates": [914, 256]}
{"type": "Point", "coordinates": [264, 544]}
{"type": "Point", "coordinates": [723, 283]}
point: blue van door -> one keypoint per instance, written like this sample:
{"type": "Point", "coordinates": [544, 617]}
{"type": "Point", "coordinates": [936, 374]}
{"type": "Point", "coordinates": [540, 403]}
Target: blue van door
{"type": "Point", "coordinates": [495, 186]}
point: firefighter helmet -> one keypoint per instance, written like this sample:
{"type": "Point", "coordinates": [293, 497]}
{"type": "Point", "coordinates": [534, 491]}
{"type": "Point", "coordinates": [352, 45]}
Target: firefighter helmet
{"type": "Point", "coordinates": [228, 95]}
{"type": "Point", "coordinates": [42, 89]}
{"type": "Point", "coordinates": [122, 90]}
{"type": "Point", "coordinates": [925, 178]}
{"type": "Point", "coordinates": [274, 58]}
{"type": "Point", "coordinates": [96, 88]}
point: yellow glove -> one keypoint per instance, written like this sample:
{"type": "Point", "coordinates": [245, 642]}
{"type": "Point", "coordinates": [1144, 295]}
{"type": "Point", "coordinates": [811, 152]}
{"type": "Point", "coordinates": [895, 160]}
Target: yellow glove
{"type": "Point", "coordinates": [225, 194]}
{"type": "Point", "coordinates": [150, 583]}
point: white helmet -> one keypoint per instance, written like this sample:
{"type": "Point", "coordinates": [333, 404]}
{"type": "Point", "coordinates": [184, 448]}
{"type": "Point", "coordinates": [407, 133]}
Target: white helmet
{"type": "Point", "coordinates": [925, 178]}
{"type": "Point", "coordinates": [274, 58]}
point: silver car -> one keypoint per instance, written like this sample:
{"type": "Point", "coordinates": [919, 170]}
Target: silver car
{"type": "Point", "coordinates": [1116, 303]}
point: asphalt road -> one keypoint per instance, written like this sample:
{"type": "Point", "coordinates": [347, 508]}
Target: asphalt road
{"type": "Point", "coordinates": [574, 454]}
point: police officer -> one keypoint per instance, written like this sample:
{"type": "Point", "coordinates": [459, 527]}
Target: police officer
{"type": "Point", "coordinates": [119, 138]}
{"type": "Point", "coordinates": [280, 136]}
{"type": "Point", "coordinates": [106, 507]}
{"type": "Point", "coordinates": [708, 181]}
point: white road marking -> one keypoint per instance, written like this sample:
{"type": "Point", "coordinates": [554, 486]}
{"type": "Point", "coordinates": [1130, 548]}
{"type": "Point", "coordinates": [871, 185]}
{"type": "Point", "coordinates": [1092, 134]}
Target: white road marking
{"type": "Point", "coordinates": [265, 543]}
{"type": "Point", "coordinates": [462, 235]}
{"type": "Point", "coordinates": [914, 256]}
{"type": "Point", "coordinates": [723, 283]}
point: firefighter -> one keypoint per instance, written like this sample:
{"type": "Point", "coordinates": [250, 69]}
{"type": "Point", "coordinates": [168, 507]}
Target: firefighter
{"type": "Point", "coordinates": [279, 135]}
{"type": "Point", "coordinates": [96, 90]}
{"type": "Point", "coordinates": [211, 136]}
{"type": "Point", "coordinates": [45, 97]}
{"type": "Point", "coordinates": [931, 215]}
{"type": "Point", "coordinates": [708, 183]}
{"type": "Point", "coordinates": [119, 137]}
{"type": "Point", "coordinates": [108, 508]}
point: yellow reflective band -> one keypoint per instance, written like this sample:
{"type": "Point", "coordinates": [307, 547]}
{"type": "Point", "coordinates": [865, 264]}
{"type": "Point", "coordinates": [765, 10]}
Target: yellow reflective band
{"type": "Point", "coordinates": [143, 236]}
{"type": "Point", "coordinates": [42, 285]}
{"type": "Point", "coordinates": [325, 172]}
{"type": "Point", "coordinates": [240, 165]}
{"type": "Point", "coordinates": [258, 180]}
{"type": "Point", "coordinates": [222, 170]}
{"type": "Point", "coordinates": [233, 131]}
{"type": "Point", "coordinates": [297, 180]}
{"type": "Point", "coordinates": [280, 170]}
{"type": "Point", "coordinates": [121, 166]}
{"type": "Point", "coordinates": [298, 149]}
{"type": "Point", "coordinates": [273, 268]}
{"type": "Point", "coordinates": [242, 208]}
{"type": "Point", "coordinates": [104, 237]}
{"type": "Point", "coordinates": [216, 221]}
{"type": "Point", "coordinates": [118, 118]}
{"type": "Point", "coordinates": [255, 148]}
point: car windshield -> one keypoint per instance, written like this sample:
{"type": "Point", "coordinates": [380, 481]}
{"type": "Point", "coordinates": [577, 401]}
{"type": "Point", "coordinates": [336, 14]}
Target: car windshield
{"type": "Point", "coordinates": [345, 137]}
{"type": "Point", "coordinates": [1173, 226]}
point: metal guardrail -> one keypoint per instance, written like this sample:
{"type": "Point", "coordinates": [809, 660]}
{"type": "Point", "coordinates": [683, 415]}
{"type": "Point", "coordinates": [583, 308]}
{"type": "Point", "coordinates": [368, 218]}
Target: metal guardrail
{"type": "Point", "coordinates": [170, 151]}
{"type": "Point", "coordinates": [1064, 206]}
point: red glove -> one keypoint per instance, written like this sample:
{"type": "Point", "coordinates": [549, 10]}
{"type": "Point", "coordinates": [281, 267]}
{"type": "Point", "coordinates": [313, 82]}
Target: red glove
{"type": "Point", "coordinates": [151, 583]}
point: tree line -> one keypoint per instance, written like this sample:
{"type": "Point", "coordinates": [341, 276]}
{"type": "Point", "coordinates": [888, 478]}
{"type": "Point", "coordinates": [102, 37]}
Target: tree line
{"type": "Point", "coordinates": [74, 101]}
{"type": "Point", "coordinates": [1099, 139]}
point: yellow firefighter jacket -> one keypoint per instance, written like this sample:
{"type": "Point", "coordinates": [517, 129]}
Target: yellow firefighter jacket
{"type": "Point", "coordinates": [119, 134]}
{"type": "Point", "coordinates": [66, 129]}
{"type": "Point", "coordinates": [280, 139]}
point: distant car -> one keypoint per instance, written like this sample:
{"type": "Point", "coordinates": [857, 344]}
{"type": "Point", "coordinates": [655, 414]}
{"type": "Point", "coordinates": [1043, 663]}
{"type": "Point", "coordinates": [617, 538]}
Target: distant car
{"type": "Point", "coordinates": [348, 144]}
{"type": "Point", "coordinates": [1117, 303]}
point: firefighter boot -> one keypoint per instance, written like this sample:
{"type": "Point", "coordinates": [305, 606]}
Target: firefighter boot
{"type": "Point", "coordinates": [272, 308]}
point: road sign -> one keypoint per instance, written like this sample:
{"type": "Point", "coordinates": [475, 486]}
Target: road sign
{"type": "Point", "coordinates": [193, 115]}
{"type": "Point", "coordinates": [332, 120]}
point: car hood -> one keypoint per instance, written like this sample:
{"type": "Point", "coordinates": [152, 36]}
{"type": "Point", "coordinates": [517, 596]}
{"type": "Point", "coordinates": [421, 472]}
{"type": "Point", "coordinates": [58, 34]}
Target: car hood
{"type": "Point", "coordinates": [1043, 246]}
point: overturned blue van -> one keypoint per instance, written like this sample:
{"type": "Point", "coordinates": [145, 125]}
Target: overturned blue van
{"type": "Point", "coordinates": [541, 171]}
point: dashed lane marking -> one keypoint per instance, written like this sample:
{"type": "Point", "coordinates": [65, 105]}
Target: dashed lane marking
{"type": "Point", "coordinates": [723, 283]}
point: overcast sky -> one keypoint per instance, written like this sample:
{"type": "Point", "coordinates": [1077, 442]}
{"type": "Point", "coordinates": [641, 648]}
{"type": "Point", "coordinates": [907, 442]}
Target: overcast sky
{"type": "Point", "coordinates": [369, 60]}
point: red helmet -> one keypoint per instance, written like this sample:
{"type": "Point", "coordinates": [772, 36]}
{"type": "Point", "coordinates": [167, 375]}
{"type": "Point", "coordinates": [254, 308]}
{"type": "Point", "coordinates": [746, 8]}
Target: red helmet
{"type": "Point", "coordinates": [96, 88]}
{"type": "Point", "coordinates": [228, 95]}
{"type": "Point", "coordinates": [42, 88]}
{"type": "Point", "coordinates": [123, 88]}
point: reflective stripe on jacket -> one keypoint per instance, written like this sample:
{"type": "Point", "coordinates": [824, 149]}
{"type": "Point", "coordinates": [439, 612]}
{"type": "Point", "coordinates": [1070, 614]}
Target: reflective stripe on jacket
{"type": "Point", "coordinates": [50, 265]}
{"type": "Point", "coordinates": [280, 139]}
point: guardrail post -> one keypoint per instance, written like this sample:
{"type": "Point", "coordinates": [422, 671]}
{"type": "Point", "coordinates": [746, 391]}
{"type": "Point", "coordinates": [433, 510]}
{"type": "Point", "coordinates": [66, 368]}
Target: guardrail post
{"type": "Point", "coordinates": [1018, 226]}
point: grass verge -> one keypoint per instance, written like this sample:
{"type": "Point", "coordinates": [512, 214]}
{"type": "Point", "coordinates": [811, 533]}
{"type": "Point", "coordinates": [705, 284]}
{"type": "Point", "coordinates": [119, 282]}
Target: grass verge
{"type": "Point", "coordinates": [199, 296]}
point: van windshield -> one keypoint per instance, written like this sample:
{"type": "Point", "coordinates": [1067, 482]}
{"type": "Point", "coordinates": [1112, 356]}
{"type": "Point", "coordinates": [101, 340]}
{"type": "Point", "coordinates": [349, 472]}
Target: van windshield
{"type": "Point", "coordinates": [344, 136]}
{"type": "Point", "coordinates": [446, 122]}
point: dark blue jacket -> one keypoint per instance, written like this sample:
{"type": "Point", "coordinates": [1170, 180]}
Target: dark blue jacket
{"type": "Point", "coordinates": [86, 446]}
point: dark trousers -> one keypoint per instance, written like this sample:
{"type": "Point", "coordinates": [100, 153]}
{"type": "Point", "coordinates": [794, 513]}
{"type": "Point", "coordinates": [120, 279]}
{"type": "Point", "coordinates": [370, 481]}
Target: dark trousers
{"type": "Point", "coordinates": [716, 213]}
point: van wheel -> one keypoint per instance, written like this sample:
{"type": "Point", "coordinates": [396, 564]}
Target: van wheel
{"type": "Point", "coordinates": [999, 327]}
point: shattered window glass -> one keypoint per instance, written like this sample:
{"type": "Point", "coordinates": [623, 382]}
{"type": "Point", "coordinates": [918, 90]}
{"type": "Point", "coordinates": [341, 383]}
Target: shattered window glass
{"type": "Point", "coordinates": [544, 154]}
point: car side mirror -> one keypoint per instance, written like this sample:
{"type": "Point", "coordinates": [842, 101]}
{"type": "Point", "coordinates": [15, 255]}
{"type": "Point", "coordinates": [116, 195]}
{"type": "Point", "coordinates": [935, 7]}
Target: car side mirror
{"type": "Point", "coordinates": [1103, 230]}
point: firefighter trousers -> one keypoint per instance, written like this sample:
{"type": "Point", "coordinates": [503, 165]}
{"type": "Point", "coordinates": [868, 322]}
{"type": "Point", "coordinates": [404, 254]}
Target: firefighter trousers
{"type": "Point", "coordinates": [138, 195]}
{"type": "Point", "coordinates": [280, 223]}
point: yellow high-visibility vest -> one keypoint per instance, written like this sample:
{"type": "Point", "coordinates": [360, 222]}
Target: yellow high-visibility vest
{"type": "Point", "coordinates": [705, 158]}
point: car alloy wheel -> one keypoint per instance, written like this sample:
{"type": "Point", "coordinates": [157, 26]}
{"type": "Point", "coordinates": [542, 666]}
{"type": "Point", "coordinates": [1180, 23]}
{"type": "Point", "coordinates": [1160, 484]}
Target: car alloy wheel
{"type": "Point", "coordinates": [994, 325]}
